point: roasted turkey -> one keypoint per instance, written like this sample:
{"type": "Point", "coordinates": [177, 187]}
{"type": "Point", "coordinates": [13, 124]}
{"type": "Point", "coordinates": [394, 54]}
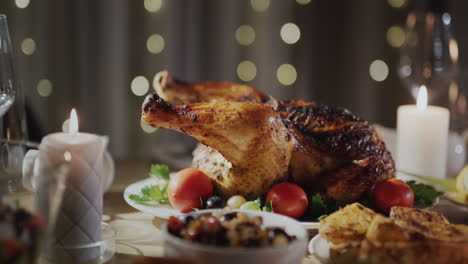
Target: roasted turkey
{"type": "Point", "coordinates": [250, 141]}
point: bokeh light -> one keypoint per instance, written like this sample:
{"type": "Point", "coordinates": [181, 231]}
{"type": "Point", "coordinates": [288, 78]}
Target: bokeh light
{"type": "Point", "coordinates": [153, 6]}
{"type": "Point", "coordinates": [5, 46]}
{"type": "Point", "coordinates": [260, 5]}
{"type": "Point", "coordinates": [303, 2]}
{"type": "Point", "coordinates": [396, 36]}
{"type": "Point", "coordinates": [22, 3]}
{"type": "Point", "coordinates": [246, 71]}
{"type": "Point", "coordinates": [453, 50]}
{"type": "Point", "coordinates": [28, 46]}
{"type": "Point", "coordinates": [378, 70]}
{"type": "Point", "coordinates": [286, 74]}
{"type": "Point", "coordinates": [147, 128]}
{"type": "Point", "coordinates": [140, 86]}
{"type": "Point", "coordinates": [446, 18]}
{"type": "Point", "coordinates": [461, 104]}
{"type": "Point", "coordinates": [245, 35]}
{"type": "Point", "coordinates": [155, 44]}
{"type": "Point", "coordinates": [453, 92]}
{"type": "Point", "coordinates": [44, 88]}
{"type": "Point", "coordinates": [66, 126]}
{"type": "Point", "coordinates": [397, 3]}
{"type": "Point", "coordinates": [290, 33]}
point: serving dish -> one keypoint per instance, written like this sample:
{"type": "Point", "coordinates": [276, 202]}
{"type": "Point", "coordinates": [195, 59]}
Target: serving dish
{"type": "Point", "coordinates": [165, 210]}
{"type": "Point", "coordinates": [292, 253]}
{"type": "Point", "coordinates": [319, 247]}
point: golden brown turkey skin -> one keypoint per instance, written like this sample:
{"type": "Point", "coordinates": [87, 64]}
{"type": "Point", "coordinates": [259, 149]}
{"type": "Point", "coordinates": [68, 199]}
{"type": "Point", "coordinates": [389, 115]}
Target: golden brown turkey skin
{"type": "Point", "coordinates": [335, 153]}
{"type": "Point", "coordinates": [174, 91]}
{"type": "Point", "coordinates": [331, 151]}
{"type": "Point", "coordinates": [253, 144]}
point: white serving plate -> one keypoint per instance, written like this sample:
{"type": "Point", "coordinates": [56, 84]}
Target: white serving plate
{"type": "Point", "coordinates": [165, 211]}
{"type": "Point", "coordinates": [320, 248]}
{"type": "Point", "coordinates": [293, 253]}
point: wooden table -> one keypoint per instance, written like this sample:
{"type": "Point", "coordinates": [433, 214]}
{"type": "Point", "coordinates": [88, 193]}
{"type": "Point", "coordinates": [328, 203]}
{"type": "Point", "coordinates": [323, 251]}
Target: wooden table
{"type": "Point", "coordinates": [138, 234]}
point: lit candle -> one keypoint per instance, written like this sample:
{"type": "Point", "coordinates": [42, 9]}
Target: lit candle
{"type": "Point", "coordinates": [422, 134]}
{"type": "Point", "coordinates": [78, 220]}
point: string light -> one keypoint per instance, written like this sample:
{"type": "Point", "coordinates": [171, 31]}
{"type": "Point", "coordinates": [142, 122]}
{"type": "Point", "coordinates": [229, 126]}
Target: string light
{"type": "Point", "coordinates": [245, 35]}
{"type": "Point", "coordinates": [290, 33]}
{"type": "Point", "coordinates": [139, 86]}
{"type": "Point", "coordinates": [453, 50]}
{"type": "Point", "coordinates": [22, 3]}
{"type": "Point", "coordinates": [66, 126]}
{"type": "Point", "coordinates": [44, 88]}
{"type": "Point", "coordinates": [396, 36]}
{"type": "Point", "coordinates": [303, 2]}
{"type": "Point", "coordinates": [286, 74]}
{"type": "Point", "coordinates": [155, 44]}
{"type": "Point", "coordinates": [153, 6]}
{"type": "Point", "coordinates": [260, 5]}
{"type": "Point", "coordinates": [147, 128]}
{"type": "Point", "coordinates": [28, 46]}
{"type": "Point", "coordinates": [246, 71]}
{"type": "Point", "coordinates": [378, 70]}
{"type": "Point", "coordinates": [397, 3]}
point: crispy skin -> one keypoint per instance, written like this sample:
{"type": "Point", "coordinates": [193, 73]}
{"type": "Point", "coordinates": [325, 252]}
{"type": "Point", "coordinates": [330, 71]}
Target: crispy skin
{"type": "Point", "coordinates": [174, 91]}
{"type": "Point", "coordinates": [403, 214]}
{"type": "Point", "coordinates": [406, 237]}
{"type": "Point", "coordinates": [382, 229]}
{"type": "Point", "coordinates": [422, 252]}
{"type": "Point", "coordinates": [347, 224]}
{"type": "Point", "coordinates": [336, 153]}
{"type": "Point", "coordinates": [250, 136]}
{"type": "Point", "coordinates": [331, 150]}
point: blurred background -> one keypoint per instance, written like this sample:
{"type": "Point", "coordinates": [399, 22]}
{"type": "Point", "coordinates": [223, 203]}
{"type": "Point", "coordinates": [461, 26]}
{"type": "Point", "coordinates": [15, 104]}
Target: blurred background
{"type": "Point", "coordinates": [100, 56]}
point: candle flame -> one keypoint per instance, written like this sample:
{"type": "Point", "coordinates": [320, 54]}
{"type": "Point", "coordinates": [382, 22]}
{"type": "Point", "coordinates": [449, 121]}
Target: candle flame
{"type": "Point", "coordinates": [73, 121]}
{"type": "Point", "coordinates": [67, 155]}
{"type": "Point", "coordinates": [421, 102]}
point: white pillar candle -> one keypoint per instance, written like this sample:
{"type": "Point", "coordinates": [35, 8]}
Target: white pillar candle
{"type": "Point", "coordinates": [422, 134]}
{"type": "Point", "coordinates": [79, 217]}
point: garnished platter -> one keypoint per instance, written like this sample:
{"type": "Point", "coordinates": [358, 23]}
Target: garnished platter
{"type": "Point", "coordinates": [164, 211]}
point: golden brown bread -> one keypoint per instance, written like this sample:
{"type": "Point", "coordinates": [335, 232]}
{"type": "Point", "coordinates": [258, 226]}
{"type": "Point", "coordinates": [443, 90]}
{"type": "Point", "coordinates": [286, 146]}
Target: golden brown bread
{"type": "Point", "coordinates": [382, 229]}
{"type": "Point", "coordinates": [406, 237]}
{"type": "Point", "coordinates": [398, 213]}
{"type": "Point", "coordinates": [423, 252]}
{"type": "Point", "coordinates": [347, 224]}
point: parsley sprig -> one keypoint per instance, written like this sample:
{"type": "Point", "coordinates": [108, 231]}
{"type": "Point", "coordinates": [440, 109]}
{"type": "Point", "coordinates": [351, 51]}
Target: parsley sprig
{"type": "Point", "coordinates": [154, 193]}
{"type": "Point", "coordinates": [424, 195]}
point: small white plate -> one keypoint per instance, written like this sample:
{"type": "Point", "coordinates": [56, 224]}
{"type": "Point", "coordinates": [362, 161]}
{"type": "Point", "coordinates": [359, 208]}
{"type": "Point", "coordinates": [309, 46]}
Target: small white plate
{"type": "Point", "coordinates": [164, 210]}
{"type": "Point", "coordinates": [320, 248]}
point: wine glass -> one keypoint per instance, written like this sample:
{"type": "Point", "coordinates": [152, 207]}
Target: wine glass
{"type": "Point", "coordinates": [12, 118]}
{"type": "Point", "coordinates": [430, 54]}
{"type": "Point", "coordinates": [7, 78]}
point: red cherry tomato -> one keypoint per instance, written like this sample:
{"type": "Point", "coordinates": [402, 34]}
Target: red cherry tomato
{"type": "Point", "coordinates": [35, 222]}
{"type": "Point", "coordinates": [288, 199]}
{"type": "Point", "coordinates": [392, 192]}
{"type": "Point", "coordinates": [186, 188]}
{"type": "Point", "coordinates": [11, 247]}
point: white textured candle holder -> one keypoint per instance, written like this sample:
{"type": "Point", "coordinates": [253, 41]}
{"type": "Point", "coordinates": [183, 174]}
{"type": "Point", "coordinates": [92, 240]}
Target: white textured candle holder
{"type": "Point", "coordinates": [78, 222]}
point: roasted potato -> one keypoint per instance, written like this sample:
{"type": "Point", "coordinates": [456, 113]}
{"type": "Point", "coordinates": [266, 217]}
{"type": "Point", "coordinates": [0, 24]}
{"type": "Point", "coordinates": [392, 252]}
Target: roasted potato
{"type": "Point", "coordinates": [398, 213]}
{"type": "Point", "coordinates": [347, 224]}
{"type": "Point", "coordinates": [382, 229]}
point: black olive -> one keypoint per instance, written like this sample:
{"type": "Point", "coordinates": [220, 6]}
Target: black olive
{"type": "Point", "coordinates": [186, 219]}
{"type": "Point", "coordinates": [214, 202]}
{"type": "Point", "coordinates": [228, 217]}
{"type": "Point", "coordinates": [272, 233]}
